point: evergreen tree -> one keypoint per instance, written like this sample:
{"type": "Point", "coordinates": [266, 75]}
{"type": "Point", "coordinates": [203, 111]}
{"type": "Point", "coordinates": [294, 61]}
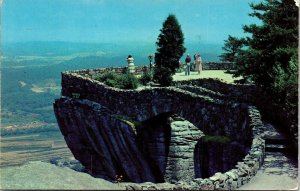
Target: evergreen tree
{"type": "Point", "coordinates": [269, 56]}
{"type": "Point", "coordinates": [232, 46]}
{"type": "Point", "coordinates": [271, 46]}
{"type": "Point", "coordinates": [170, 49]}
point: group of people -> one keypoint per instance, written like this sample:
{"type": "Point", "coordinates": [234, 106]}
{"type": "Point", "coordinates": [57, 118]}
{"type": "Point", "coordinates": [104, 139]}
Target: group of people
{"type": "Point", "coordinates": [193, 66]}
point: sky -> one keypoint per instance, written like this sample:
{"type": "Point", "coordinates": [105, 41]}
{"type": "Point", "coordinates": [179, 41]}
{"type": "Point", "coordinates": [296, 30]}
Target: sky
{"type": "Point", "coordinates": [105, 21]}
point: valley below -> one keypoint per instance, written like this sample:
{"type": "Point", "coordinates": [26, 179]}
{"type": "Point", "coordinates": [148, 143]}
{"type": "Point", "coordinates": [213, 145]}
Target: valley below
{"type": "Point", "coordinates": [43, 146]}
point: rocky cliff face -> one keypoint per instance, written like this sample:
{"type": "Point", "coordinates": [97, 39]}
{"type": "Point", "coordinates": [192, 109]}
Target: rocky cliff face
{"type": "Point", "coordinates": [102, 143]}
{"type": "Point", "coordinates": [107, 146]}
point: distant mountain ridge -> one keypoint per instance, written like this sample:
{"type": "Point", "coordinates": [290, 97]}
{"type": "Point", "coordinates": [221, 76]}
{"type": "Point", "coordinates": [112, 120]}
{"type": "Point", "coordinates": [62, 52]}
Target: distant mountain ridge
{"type": "Point", "coordinates": [209, 52]}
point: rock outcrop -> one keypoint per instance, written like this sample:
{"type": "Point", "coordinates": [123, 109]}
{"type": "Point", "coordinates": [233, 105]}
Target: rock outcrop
{"type": "Point", "coordinates": [103, 144]}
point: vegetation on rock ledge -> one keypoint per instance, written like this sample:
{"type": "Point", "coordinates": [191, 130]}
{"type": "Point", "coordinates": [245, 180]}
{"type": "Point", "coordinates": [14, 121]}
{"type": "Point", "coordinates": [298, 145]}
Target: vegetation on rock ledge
{"type": "Point", "coordinates": [122, 81]}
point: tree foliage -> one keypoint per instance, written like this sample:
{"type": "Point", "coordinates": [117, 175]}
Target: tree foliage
{"type": "Point", "coordinates": [272, 45]}
{"type": "Point", "coordinates": [170, 48]}
{"type": "Point", "coordinates": [269, 55]}
{"type": "Point", "coordinates": [232, 46]}
{"type": "Point", "coordinates": [163, 75]}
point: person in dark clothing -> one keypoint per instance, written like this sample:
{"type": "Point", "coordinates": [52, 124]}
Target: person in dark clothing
{"type": "Point", "coordinates": [188, 65]}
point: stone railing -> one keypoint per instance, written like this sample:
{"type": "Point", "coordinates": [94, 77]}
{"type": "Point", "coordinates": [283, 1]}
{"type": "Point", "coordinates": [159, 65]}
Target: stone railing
{"type": "Point", "coordinates": [218, 66]}
{"type": "Point", "coordinates": [210, 112]}
{"type": "Point", "coordinates": [139, 70]}
{"type": "Point", "coordinates": [251, 95]}
{"type": "Point", "coordinates": [147, 103]}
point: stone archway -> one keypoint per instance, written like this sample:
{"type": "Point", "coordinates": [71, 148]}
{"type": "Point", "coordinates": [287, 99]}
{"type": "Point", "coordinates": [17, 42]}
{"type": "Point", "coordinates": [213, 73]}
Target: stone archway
{"type": "Point", "coordinates": [168, 143]}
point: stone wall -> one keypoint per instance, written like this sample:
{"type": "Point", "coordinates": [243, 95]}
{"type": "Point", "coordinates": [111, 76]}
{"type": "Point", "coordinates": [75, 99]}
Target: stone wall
{"type": "Point", "coordinates": [139, 70]}
{"type": "Point", "coordinates": [210, 111]}
{"type": "Point", "coordinates": [212, 116]}
{"type": "Point", "coordinates": [218, 66]}
{"type": "Point", "coordinates": [232, 179]}
{"type": "Point", "coordinates": [168, 142]}
{"type": "Point", "coordinates": [250, 95]}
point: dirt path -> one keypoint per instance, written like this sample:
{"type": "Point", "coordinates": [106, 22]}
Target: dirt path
{"type": "Point", "coordinates": [280, 169]}
{"type": "Point", "coordinates": [279, 172]}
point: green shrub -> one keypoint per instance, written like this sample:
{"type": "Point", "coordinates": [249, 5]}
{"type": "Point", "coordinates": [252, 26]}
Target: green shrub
{"type": "Point", "coordinates": [122, 81]}
{"type": "Point", "coordinates": [112, 83]}
{"type": "Point", "coordinates": [163, 76]}
{"type": "Point", "coordinates": [106, 76]}
{"type": "Point", "coordinates": [128, 81]}
{"type": "Point", "coordinates": [146, 77]}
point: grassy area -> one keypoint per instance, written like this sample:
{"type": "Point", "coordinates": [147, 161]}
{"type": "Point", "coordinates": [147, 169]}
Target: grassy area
{"type": "Point", "coordinates": [219, 74]}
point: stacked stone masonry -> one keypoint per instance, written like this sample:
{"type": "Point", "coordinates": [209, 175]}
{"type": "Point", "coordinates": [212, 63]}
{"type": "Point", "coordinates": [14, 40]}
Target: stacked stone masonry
{"type": "Point", "coordinates": [211, 112]}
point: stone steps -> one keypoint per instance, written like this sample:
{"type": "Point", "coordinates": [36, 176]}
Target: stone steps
{"type": "Point", "coordinates": [276, 147]}
{"type": "Point", "coordinates": [276, 141]}
{"type": "Point", "coordinates": [277, 144]}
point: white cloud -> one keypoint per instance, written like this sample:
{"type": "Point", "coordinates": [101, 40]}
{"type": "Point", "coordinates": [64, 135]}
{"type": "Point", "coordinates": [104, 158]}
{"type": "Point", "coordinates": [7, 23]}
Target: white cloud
{"type": "Point", "coordinates": [297, 2]}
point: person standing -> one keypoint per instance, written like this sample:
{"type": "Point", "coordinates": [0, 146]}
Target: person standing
{"type": "Point", "coordinates": [199, 64]}
{"type": "Point", "coordinates": [193, 64]}
{"type": "Point", "coordinates": [188, 65]}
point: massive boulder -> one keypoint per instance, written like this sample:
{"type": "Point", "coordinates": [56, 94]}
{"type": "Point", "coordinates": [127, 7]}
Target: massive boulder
{"type": "Point", "coordinates": [105, 145]}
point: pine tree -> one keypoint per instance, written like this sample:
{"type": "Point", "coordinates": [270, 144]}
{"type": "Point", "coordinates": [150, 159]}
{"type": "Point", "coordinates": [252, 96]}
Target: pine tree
{"type": "Point", "coordinates": [269, 56]}
{"type": "Point", "coordinates": [232, 46]}
{"type": "Point", "coordinates": [272, 44]}
{"type": "Point", "coordinates": [170, 49]}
